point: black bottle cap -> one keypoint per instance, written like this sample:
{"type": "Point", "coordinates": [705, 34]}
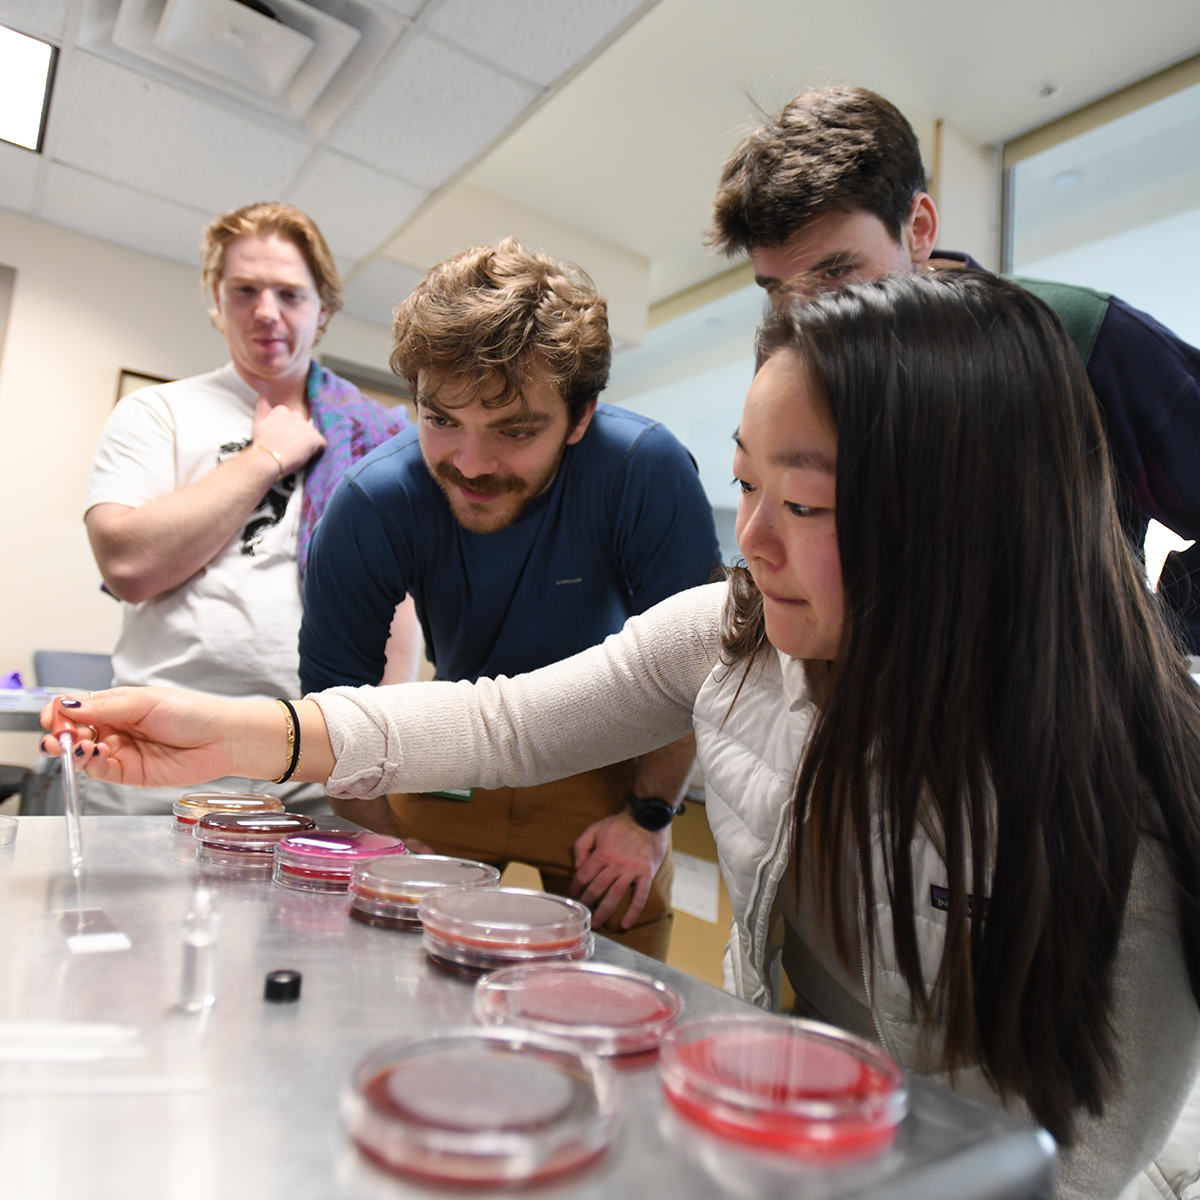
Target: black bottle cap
{"type": "Point", "coordinates": [282, 986]}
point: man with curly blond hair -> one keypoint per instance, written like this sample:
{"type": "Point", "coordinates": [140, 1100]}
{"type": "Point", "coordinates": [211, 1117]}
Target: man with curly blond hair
{"type": "Point", "coordinates": [204, 492]}
{"type": "Point", "coordinates": [528, 522]}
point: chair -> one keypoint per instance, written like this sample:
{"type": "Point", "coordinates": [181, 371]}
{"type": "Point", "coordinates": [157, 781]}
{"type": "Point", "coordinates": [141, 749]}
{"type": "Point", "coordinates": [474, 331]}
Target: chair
{"type": "Point", "coordinates": [70, 669]}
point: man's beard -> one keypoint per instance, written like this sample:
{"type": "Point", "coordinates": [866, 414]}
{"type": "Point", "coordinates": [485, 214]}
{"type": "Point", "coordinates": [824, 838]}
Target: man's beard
{"type": "Point", "coordinates": [522, 490]}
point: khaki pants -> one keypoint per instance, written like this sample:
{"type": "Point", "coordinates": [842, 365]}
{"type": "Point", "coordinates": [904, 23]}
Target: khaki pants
{"type": "Point", "coordinates": [539, 826]}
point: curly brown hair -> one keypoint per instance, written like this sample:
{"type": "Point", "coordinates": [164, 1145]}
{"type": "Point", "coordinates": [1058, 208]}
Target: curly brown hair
{"type": "Point", "coordinates": [261, 220]}
{"type": "Point", "coordinates": [503, 313]}
{"type": "Point", "coordinates": [834, 149]}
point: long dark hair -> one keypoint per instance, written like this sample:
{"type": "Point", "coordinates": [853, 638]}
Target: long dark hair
{"type": "Point", "coordinates": [1004, 680]}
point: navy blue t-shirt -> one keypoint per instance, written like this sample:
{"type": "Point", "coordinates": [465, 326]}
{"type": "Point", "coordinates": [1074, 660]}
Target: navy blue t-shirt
{"type": "Point", "coordinates": [624, 525]}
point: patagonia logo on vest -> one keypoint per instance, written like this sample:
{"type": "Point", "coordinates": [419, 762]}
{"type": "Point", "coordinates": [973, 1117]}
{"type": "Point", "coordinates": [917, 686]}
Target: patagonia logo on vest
{"type": "Point", "coordinates": [939, 898]}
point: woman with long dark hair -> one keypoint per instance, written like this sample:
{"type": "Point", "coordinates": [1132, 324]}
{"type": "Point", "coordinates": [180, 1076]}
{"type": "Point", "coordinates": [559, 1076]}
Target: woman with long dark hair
{"type": "Point", "coordinates": [944, 730]}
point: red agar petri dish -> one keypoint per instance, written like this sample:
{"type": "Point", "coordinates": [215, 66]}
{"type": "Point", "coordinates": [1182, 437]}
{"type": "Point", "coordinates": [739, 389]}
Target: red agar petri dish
{"type": "Point", "coordinates": [481, 1107]}
{"type": "Point", "coordinates": [796, 1087]}
{"type": "Point", "coordinates": [386, 891]}
{"type": "Point", "coordinates": [245, 841]}
{"type": "Point", "coordinates": [323, 860]}
{"type": "Point", "coordinates": [604, 1009]}
{"type": "Point", "coordinates": [483, 929]}
{"type": "Point", "coordinates": [190, 808]}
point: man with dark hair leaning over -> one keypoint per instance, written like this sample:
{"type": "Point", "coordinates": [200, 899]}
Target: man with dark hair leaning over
{"type": "Point", "coordinates": [832, 190]}
{"type": "Point", "coordinates": [528, 523]}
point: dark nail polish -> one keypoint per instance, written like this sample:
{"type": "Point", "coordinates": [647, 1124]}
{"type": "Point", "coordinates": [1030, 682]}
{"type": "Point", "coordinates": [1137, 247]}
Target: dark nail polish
{"type": "Point", "coordinates": [78, 751]}
{"type": "Point", "coordinates": [95, 751]}
{"type": "Point", "coordinates": [69, 703]}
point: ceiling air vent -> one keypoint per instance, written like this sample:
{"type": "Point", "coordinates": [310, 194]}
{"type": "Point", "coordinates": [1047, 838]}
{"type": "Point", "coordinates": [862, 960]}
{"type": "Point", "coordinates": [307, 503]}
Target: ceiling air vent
{"type": "Point", "coordinates": [287, 58]}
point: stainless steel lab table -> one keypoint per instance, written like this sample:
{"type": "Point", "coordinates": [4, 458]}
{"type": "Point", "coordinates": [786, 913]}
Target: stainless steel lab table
{"type": "Point", "coordinates": [242, 1100]}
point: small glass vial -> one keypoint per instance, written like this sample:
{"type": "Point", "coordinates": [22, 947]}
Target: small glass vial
{"type": "Point", "coordinates": [201, 926]}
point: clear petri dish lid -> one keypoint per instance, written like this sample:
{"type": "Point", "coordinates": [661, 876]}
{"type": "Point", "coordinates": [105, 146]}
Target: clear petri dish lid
{"type": "Point", "coordinates": [405, 880]}
{"type": "Point", "coordinates": [492, 919]}
{"type": "Point", "coordinates": [330, 849]}
{"type": "Point", "coordinates": [190, 808]}
{"type": "Point", "coordinates": [481, 1107]}
{"type": "Point", "coordinates": [605, 1009]}
{"type": "Point", "coordinates": [249, 831]}
{"type": "Point", "coordinates": [798, 1087]}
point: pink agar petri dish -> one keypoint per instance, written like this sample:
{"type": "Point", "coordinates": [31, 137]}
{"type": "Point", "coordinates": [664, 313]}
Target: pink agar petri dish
{"type": "Point", "coordinates": [796, 1087]}
{"type": "Point", "coordinates": [481, 1107]}
{"type": "Point", "coordinates": [245, 841]}
{"type": "Point", "coordinates": [323, 860]}
{"type": "Point", "coordinates": [190, 808]}
{"type": "Point", "coordinates": [483, 929]}
{"type": "Point", "coordinates": [386, 891]}
{"type": "Point", "coordinates": [604, 1009]}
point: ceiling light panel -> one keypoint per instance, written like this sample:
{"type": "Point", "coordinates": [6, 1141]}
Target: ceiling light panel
{"type": "Point", "coordinates": [140, 132]}
{"type": "Point", "coordinates": [432, 111]}
{"type": "Point", "coordinates": [119, 214]}
{"type": "Point", "coordinates": [356, 206]}
{"type": "Point", "coordinates": [537, 39]}
{"type": "Point", "coordinates": [26, 73]}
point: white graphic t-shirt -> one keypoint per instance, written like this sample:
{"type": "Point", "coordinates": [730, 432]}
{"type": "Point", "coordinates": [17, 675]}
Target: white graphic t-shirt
{"type": "Point", "coordinates": [232, 628]}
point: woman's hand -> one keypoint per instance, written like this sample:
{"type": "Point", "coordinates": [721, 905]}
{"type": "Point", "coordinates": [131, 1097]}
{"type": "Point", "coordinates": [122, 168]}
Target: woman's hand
{"type": "Point", "coordinates": [160, 737]}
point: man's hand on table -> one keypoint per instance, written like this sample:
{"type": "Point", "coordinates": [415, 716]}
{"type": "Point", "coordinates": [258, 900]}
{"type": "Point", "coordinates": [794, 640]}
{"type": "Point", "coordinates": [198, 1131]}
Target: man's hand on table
{"type": "Point", "coordinates": [612, 856]}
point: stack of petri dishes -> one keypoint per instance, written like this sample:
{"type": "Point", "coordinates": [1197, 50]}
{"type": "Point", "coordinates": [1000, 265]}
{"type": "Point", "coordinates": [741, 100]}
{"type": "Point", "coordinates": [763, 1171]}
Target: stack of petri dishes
{"type": "Point", "coordinates": [481, 1107]}
{"type": "Point", "coordinates": [190, 808]}
{"type": "Point", "coordinates": [607, 1010]}
{"type": "Point", "coordinates": [237, 842]}
{"type": "Point", "coordinates": [473, 930]}
{"type": "Point", "coordinates": [386, 891]}
{"type": "Point", "coordinates": [323, 860]}
{"type": "Point", "coordinates": [795, 1087]}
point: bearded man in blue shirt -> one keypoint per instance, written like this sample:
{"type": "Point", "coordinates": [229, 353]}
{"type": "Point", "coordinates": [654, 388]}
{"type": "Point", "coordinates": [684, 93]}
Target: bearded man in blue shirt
{"type": "Point", "coordinates": [528, 522]}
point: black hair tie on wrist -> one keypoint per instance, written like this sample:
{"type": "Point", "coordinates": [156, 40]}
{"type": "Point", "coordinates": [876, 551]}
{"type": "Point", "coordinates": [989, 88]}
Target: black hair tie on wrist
{"type": "Point", "coordinates": [293, 741]}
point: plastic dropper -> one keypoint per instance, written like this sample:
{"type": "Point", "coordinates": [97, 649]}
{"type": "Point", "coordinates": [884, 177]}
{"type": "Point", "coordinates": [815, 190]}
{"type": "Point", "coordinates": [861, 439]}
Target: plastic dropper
{"type": "Point", "coordinates": [64, 730]}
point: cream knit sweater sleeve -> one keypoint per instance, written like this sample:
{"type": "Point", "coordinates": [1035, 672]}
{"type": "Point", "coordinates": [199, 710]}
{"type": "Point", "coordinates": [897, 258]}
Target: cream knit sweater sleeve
{"type": "Point", "coordinates": [629, 695]}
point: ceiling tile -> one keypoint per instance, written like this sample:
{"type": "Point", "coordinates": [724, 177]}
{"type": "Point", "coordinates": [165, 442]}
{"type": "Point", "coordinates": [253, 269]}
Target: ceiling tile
{"type": "Point", "coordinates": [38, 18]}
{"type": "Point", "coordinates": [539, 39]}
{"type": "Point", "coordinates": [433, 110]}
{"type": "Point", "coordinates": [373, 294]}
{"type": "Point", "coordinates": [357, 208]}
{"type": "Point", "coordinates": [18, 177]}
{"type": "Point", "coordinates": [119, 214]}
{"type": "Point", "coordinates": [406, 8]}
{"type": "Point", "coordinates": [121, 125]}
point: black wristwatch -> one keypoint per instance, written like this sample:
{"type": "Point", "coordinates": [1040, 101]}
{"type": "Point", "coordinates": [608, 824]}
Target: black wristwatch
{"type": "Point", "coordinates": [652, 812]}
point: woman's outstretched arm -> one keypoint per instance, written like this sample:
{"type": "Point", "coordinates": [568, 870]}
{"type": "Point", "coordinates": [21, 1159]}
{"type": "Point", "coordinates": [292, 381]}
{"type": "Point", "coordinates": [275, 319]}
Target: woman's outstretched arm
{"type": "Point", "coordinates": [623, 698]}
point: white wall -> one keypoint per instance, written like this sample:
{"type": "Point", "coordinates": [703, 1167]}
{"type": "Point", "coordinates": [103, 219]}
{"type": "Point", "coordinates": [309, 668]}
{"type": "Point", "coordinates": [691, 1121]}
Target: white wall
{"type": "Point", "coordinates": [82, 310]}
{"type": "Point", "coordinates": [968, 196]}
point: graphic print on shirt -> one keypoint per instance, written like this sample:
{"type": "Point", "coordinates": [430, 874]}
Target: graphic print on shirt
{"type": "Point", "coordinates": [270, 508]}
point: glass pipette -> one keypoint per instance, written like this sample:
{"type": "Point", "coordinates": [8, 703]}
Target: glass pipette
{"type": "Point", "coordinates": [64, 730]}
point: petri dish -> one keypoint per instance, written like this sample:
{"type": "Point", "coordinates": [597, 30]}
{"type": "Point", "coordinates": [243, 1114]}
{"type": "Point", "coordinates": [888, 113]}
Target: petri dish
{"type": "Point", "coordinates": [607, 1010]}
{"type": "Point", "coordinates": [245, 841]}
{"type": "Point", "coordinates": [386, 891]}
{"type": "Point", "coordinates": [190, 808]}
{"type": "Point", "coordinates": [793, 1086]}
{"type": "Point", "coordinates": [481, 1107]}
{"type": "Point", "coordinates": [323, 860]}
{"type": "Point", "coordinates": [484, 929]}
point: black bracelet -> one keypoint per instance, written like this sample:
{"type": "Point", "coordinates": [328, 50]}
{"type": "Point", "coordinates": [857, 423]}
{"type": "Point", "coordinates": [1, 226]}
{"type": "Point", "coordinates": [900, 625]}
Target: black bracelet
{"type": "Point", "coordinates": [293, 741]}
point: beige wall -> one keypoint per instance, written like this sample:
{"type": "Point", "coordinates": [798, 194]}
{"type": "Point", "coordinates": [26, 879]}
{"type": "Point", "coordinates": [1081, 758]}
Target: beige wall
{"type": "Point", "coordinates": [82, 310]}
{"type": "Point", "coordinates": [968, 198]}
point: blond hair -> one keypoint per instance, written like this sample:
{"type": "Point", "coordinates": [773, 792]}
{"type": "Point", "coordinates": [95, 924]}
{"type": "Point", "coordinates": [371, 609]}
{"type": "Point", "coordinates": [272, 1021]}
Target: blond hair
{"type": "Point", "coordinates": [261, 220]}
{"type": "Point", "coordinates": [504, 313]}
